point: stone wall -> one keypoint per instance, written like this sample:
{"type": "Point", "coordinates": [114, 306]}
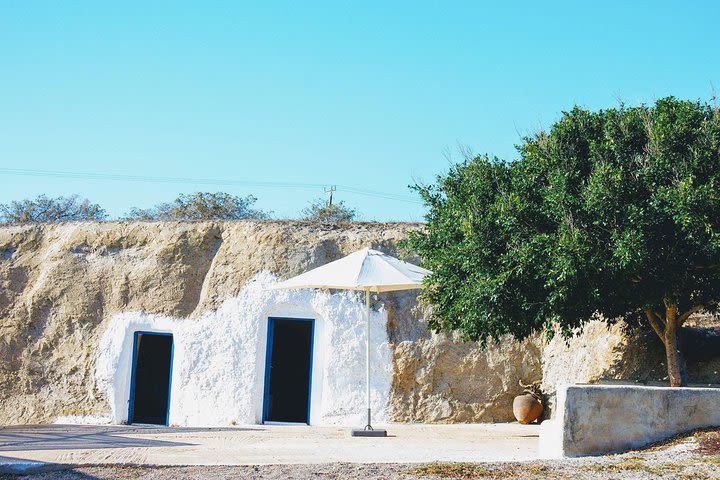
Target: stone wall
{"type": "Point", "coordinates": [601, 419]}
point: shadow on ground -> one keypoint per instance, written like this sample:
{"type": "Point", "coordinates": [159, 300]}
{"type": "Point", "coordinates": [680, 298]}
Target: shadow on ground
{"type": "Point", "coordinates": [72, 437]}
{"type": "Point", "coordinates": [11, 467]}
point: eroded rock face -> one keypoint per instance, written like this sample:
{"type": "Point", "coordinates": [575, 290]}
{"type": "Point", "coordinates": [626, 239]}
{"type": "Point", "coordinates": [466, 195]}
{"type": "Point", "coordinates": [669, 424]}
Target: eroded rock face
{"type": "Point", "coordinates": [440, 379]}
{"type": "Point", "coordinates": [584, 358]}
{"type": "Point", "coordinates": [60, 285]}
{"type": "Point", "coordinates": [623, 353]}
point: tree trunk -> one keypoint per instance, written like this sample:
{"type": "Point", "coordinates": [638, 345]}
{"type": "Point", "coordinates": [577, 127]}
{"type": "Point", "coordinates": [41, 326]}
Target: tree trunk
{"type": "Point", "coordinates": [675, 363]}
{"type": "Point", "coordinates": [667, 329]}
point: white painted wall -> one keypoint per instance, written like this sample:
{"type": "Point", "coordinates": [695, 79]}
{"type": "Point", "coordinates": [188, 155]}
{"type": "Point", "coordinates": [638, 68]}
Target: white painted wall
{"type": "Point", "coordinates": [601, 419]}
{"type": "Point", "coordinates": [219, 358]}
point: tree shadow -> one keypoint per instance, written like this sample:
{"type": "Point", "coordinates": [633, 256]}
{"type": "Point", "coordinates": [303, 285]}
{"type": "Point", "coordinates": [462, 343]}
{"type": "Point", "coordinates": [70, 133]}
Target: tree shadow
{"type": "Point", "coordinates": [11, 467]}
{"type": "Point", "coordinates": [72, 437]}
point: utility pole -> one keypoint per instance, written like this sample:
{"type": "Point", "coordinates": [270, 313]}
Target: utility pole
{"type": "Point", "coordinates": [330, 191]}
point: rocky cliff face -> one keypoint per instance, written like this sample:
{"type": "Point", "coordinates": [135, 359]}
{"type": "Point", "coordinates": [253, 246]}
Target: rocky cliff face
{"type": "Point", "coordinates": [61, 284]}
{"type": "Point", "coordinates": [440, 379]}
{"type": "Point", "coordinates": [602, 353]}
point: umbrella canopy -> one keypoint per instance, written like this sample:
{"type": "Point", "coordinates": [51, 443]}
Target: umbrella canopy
{"type": "Point", "coordinates": [363, 270]}
{"type": "Point", "coordinates": [370, 271]}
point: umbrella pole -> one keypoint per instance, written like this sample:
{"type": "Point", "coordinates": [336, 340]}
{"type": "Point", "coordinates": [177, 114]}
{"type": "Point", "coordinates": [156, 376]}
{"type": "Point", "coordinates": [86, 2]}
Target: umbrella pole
{"type": "Point", "coordinates": [368, 431]}
{"type": "Point", "coordinates": [367, 359]}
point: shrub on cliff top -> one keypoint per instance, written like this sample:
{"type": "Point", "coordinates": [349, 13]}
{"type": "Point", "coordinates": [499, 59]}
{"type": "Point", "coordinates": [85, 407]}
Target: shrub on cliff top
{"type": "Point", "coordinates": [43, 209]}
{"type": "Point", "coordinates": [320, 211]}
{"type": "Point", "coordinates": [610, 214]}
{"type": "Point", "coordinates": [202, 206]}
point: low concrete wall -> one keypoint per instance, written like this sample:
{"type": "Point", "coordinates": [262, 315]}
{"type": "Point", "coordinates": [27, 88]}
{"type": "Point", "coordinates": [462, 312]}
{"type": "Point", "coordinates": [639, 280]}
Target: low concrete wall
{"type": "Point", "coordinates": [598, 419]}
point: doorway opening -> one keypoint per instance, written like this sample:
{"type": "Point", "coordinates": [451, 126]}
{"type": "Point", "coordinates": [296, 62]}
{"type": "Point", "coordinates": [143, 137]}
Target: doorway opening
{"type": "Point", "coordinates": [151, 378]}
{"type": "Point", "coordinates": [288, 370]}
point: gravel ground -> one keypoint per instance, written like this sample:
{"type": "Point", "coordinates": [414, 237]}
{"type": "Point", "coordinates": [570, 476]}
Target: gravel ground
{"type": "Point", "coordinates": [687, 458]}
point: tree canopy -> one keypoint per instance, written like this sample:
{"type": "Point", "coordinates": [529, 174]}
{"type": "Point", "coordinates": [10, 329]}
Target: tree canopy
{"type": "Point", "coordinates": [202, 206]}
{"type": "Point", "coordinates": [320, 211]}
{"type": "Point", "coordinates": [43, 209]}
{"type": "Point", "coordinates": [609, 214]}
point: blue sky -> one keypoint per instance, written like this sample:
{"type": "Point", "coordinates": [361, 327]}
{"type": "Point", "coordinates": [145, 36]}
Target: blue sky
{"type": "Point", "coordinates": [366, 94]}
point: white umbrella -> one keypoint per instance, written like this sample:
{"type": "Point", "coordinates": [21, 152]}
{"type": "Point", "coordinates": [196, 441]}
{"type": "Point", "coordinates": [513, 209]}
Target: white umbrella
{"type": "Point", "coordinates": [369, 271]}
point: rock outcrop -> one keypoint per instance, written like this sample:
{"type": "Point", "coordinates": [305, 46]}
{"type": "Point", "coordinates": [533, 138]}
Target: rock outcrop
{"type": "Point", "coordinates": [624, 353]}
{"type": "Point", "coordinates": [61, 284]}
{"type": "Point", "coordinates": [440, 379]}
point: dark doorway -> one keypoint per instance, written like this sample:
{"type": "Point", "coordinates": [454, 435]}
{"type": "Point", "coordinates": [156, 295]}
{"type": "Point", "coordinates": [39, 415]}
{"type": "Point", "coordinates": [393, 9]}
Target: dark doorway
{"type": "Point", "coordinates": [288, 370]}
{"type": "Point", "coordinates": [150, 380]}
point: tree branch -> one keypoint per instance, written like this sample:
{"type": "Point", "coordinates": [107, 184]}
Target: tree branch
{"type": "Point", "coordinates": [656, 323]}
{"type": "Point", "coordinates": [682, 318]}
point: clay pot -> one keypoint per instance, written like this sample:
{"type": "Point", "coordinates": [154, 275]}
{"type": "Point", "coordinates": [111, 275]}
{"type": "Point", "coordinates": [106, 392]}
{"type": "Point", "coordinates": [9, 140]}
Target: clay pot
{"type": "Point", "coordinates": [527, 408]}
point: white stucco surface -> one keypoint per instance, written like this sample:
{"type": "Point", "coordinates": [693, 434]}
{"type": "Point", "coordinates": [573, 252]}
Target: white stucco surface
{"type": "Point", "coordinates": [219, 358]}
{"type": "Point", "coordinates": [600, 419]}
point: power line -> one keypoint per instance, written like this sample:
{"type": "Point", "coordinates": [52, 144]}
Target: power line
{"type": "Point", "coordinates": [200, 181]}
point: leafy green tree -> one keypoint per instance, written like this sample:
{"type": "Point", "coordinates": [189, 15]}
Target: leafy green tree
{"type": "Point", "coordinates": [202, 206]}
{"type": "Point", "coordinates": [611, 214]}
{"type": "Point", "coordinates": [43, 209]}
{"type": "Point", "coordinates": [320, 211]}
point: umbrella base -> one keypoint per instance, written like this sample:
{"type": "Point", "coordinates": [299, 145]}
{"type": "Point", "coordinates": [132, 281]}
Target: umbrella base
{"type": "Point", "coordinates": [361, 432]}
